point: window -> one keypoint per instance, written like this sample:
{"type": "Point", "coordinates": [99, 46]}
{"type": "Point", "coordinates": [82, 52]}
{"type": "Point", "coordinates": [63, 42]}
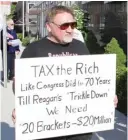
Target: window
{"type": "Point", "coordinates": [31, 5]}
{"type": "Point", "coordinates": [102, 22]}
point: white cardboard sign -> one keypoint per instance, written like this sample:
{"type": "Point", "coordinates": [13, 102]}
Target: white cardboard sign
{"type": "Point", "coordinates": [62, 96]}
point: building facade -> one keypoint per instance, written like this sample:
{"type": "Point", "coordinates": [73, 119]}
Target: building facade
{"type": "Point", "coordinates": [34, 15]}
{"type": "Point", "coordinates": [99, 11]}
{"type": "Point", "coordinates": [102, 15]}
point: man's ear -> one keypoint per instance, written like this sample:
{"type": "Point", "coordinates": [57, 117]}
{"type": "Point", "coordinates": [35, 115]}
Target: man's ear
{"type": "Point", "coordinates": [48, 27]}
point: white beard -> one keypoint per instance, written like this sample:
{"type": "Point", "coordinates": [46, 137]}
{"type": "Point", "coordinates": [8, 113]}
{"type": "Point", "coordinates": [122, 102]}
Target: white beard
{"type": "Point", "coordinates": [11, 28]}
{"type": "Point", "coordinates": [67, 39]}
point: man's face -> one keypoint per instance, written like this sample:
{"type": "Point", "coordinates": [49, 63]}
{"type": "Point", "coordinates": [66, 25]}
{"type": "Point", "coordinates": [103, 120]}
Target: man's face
{"type": "Point", "coordinates": [11, 25]}
{"type": "Point", "coordinates": [62, 27]}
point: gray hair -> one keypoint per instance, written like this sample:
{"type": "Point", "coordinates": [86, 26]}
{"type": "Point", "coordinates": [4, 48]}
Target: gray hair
{"type": "Point", "coordinates": [55, 10]}
{"type": "Point", "coordinates": [9, 21]}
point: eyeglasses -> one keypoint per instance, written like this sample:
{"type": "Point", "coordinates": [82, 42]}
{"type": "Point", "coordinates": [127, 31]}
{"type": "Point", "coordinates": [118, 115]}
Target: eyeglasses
{"type": "Point", "coordinates": [65, 26]}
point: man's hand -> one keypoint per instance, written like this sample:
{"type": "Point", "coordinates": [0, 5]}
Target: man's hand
{"type": "Point", "coordinates": [14, 116]}
{"type": "Point", "coordinates": [9, 36]}
{"type": "Point", "coordinates": [115, 101]}
{"type": "Point", "coordinates": [9, 43]}
{"type": "Point", "coordinates": [17, 52]}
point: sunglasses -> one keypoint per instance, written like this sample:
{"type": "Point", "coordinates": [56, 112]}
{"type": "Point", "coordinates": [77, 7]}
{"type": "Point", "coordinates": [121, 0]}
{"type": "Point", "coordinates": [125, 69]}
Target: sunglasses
{"type": "Point", "coordinates": [65, 26]}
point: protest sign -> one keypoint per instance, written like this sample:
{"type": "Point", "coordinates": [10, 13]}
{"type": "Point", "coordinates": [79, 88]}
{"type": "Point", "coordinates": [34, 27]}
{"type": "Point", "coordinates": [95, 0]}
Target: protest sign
{"type": "Point", "coordinates": [62, 96]}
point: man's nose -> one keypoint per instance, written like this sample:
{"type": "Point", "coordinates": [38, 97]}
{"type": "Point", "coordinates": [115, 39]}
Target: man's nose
{"type": "Point", "coordinates": [69, 29]}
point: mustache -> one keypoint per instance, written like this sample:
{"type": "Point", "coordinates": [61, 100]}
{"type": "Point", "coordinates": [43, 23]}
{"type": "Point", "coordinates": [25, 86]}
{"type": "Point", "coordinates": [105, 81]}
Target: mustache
{"type": "Point", "coordinates": [69, 34]}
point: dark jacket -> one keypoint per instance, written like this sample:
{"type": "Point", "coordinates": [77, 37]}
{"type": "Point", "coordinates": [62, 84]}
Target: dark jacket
{"type": "Point", "coordinates": [11, 49]}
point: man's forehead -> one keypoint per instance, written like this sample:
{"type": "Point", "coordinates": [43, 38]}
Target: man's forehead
{"type": "Point", "coordinates": [63, 17]}
{"type": "Point", "coordinates": [11, 22]}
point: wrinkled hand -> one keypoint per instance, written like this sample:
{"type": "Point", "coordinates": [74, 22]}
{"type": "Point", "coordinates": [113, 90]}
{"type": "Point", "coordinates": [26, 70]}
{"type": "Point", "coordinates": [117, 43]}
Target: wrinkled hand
{"type": "Point", "coordinates": [9, 36]}
{"type": "Point", "coordinates": [17, 52]}
{"type": "Point", "coordinates": [14, 116]}
{"type": "Point", "coordinates": [9, 43]}
{"type": "Point", "coordinates": [115, 101]}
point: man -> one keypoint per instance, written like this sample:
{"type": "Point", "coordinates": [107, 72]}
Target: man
{"type": "Point", "coordinates": [60, 23]}
{"type": "Point", "coordinates": [11, 35]}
